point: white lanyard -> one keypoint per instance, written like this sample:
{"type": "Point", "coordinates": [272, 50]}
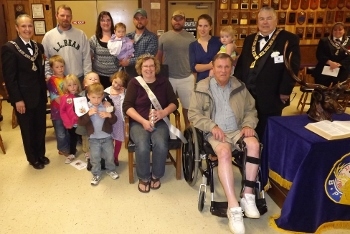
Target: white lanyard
{"type": "Point", "coordinates": [174, 132]}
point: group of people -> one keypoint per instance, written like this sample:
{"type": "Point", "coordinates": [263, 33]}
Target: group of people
{"type": "Point", "coordinates": [225, 106]}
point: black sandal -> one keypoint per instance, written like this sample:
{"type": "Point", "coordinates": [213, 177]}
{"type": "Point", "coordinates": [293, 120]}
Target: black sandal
{"type": "Point", "coordinates": [146, 184]}
{"type": "Point", "coordinates": [155, 180]}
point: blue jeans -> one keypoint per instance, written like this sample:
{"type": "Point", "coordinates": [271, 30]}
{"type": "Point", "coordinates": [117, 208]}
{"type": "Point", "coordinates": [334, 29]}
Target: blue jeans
{"type": "Point", "coordinates": [101, 148]}
{"type": "Point", "coordinates": [142, 139]}
{"type": "Point", "coordinates": [62, 136]}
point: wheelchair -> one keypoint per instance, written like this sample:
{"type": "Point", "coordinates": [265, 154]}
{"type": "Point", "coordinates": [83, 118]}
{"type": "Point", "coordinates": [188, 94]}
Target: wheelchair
{"type": "Point", "coordinates": [196, 158]}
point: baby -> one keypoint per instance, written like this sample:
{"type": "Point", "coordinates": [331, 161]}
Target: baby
{"type": "Point", "coordinates": [119, 45]}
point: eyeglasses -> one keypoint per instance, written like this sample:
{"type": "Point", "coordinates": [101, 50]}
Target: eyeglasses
{"type": "Point", "coordinates": [148, 66]}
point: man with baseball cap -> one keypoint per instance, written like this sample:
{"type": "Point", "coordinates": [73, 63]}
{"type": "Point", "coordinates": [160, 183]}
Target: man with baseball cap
{"type": "Point", "coordinates": [144, 40]}
{"type": "Point", "coordinates": [173, 49]}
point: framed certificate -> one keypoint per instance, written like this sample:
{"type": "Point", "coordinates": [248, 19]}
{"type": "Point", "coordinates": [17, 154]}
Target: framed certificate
{"type": "Point", "coordinates": [38, 11]}
{"type": "Point", "coordinates": [39, 27]}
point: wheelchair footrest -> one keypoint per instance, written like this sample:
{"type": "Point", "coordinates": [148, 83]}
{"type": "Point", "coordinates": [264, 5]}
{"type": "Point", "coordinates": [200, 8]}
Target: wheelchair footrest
{"type": "Point", "coordinates": [220, 208]}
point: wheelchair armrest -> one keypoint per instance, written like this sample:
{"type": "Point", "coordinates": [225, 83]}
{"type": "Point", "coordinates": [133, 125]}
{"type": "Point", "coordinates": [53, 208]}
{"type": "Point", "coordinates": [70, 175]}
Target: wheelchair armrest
{"type": "Point", "coordinates": [176, 113]}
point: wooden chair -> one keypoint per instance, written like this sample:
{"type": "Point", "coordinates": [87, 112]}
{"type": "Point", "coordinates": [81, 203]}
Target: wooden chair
{"type": "Point", "coordinates": [305, 75]}
{"type": "Point", "coordinates": [173, 145]}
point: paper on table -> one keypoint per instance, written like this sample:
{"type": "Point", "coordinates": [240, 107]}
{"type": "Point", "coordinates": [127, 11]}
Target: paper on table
{"type": "Point", "coordinates": [80, 106]}
{"type": "Point", "coordinates": [327, 71]}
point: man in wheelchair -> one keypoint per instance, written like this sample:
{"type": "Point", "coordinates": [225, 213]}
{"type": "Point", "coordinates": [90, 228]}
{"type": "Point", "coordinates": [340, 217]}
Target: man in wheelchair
{"type": "Point", "coordinates": [223, 108]}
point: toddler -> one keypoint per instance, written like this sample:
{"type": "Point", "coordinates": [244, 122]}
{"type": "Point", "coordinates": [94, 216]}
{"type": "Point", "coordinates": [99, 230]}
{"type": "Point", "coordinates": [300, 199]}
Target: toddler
{"type": "Point", "coordinates": [116, 92]}
{"type": "Point", "coordinates": [119, 45]}
{"type": "Point", "coordinates": [55, 87]}
{"type": "Point", "coordinates": [98, 123]}
{"type": "Point", "coordinates": [227, 39]}
{"type": "Point", "coordinates": [71, 88]}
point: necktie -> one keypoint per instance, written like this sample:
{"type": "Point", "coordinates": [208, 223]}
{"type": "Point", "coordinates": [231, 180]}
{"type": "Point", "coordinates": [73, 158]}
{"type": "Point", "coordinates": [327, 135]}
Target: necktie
{"type": "Point", "coordinates": [262, 37]}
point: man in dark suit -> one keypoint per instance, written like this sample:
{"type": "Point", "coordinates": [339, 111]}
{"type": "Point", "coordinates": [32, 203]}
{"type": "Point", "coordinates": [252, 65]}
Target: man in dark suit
{"type": "Point", "coordinates": [23, 70]}
{"type": "Point", "coordinates": [261, 67]}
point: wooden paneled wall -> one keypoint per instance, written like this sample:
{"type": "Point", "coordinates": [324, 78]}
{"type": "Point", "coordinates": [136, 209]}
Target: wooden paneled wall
{"type": "Point", "coordinates": [157, 20]}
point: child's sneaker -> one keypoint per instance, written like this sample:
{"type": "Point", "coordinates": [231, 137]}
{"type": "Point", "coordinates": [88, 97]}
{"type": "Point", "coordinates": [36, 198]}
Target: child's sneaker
{"type": "Point", "coordinates": [114, 175]}
{"type": "Point", "coordinates": [95, 180]}
{"type": "Point", "coordinates": [69, 159]}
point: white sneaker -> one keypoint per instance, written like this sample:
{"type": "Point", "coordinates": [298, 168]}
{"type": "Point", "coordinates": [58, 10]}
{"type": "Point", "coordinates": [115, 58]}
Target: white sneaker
{"type": "Point", "coordinates": [249, 207]}
{"type": "Point", "coordinates": [69, 159]}
{"type": "Point", "coordinates": [114, 175]}
{"type": "Point", "coordinates": [95, 180]}
{"type": "Point", "coordinates": [235, 220]}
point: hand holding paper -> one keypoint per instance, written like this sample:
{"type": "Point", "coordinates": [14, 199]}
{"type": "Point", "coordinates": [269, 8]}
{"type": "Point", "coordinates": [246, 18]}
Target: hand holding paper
{"type": "Point", "coordinates": [330, 72]}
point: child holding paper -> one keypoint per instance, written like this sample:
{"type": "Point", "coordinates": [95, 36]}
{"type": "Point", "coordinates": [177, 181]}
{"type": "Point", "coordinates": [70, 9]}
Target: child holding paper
{"type": "Point", "coordinates": [71, 88]}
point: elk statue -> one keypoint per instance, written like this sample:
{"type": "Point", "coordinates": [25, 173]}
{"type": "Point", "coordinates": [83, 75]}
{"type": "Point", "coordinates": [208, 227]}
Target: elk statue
{"type": "Point", "coordinates": [324, 100]}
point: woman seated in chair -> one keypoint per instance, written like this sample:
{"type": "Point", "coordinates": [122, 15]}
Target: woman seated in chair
{"type": "Point", "coordinates": [144, 93]}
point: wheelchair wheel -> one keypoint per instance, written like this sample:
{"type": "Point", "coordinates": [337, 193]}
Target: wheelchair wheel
{"type": "Point", "coordinates": [190, 156]}
{"type": "Point", "coordinates": [201, 200]}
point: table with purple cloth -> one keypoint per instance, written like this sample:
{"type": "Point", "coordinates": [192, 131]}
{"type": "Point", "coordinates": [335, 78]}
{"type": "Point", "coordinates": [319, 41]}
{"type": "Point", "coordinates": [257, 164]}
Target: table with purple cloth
{"type": "Point", "coordinates": [316, 172]}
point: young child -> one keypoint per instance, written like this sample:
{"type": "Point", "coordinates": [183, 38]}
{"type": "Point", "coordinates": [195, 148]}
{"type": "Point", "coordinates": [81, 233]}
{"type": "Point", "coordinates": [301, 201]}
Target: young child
{"type": "Point", "coordinates": [116, 92]}
{"type": "Point", "coordinates": [227, 39]}
{"type": "Point", "coordinates": [71, 88]}
{"type": "Point", "coordinates": [119, 45]}
{"type": "Point", "coordinates": [55, 87]}
{"type": "Point", "coordinates": [98, 123]}
{"type": "Point", "coordinates": [90, 78]}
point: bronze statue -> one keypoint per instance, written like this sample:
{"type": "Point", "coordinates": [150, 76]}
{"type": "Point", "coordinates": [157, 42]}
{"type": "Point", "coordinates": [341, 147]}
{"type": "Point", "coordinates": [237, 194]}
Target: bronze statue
{"type": "Point", "coordinates": [324, 100]}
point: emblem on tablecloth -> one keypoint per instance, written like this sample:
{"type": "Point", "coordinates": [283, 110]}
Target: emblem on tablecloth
{"type": "Point", "coordinates": [337, 184]}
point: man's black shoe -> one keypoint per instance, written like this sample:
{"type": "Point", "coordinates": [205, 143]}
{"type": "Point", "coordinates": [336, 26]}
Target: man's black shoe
{"type": "Point", "coordinates": [44, 160]}
{"type": "Point", "coordinates": [38, 165]}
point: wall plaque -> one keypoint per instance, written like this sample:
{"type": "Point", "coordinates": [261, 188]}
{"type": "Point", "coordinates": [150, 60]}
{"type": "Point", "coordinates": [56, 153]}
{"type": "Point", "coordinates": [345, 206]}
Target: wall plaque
{"type": "Point", "coordinates": [291, 17]}
{"type": "Point", "coordinates": [332, 4]}
{"type": "Point", "coordinates": [275, 4]}
{"type": "Point", "coordinates": [304, 4]}
{"type": "Point", "coordinates": [313, 4]}
{"type": "Point", "coordinates": [243, 33]}
{"type": "Point", "coordinates": [347, 16]}
{"type": "Point", "coordinates": [318, 33]}
{"type": "Point", "coordinates": [234, 18]}
{"type": "Point", "coordinates": [223, 5]}
{"type": "Point", "coordinates": [330, 16]}
{"type": "Point", "coordinates": [323, 4]}
{"type": "Point", "coordinates": [301, 17]}
{"type": "Point", "coordinates": [285, 4]}
{"type": "Point", "coordinates": [341, 4]}
{"type": "Point", "coordinates": [245, 5]}
{"type": "Point", "coordinates": [310, 18]}
{"type": "Point", "coordinates": [253, 18]}
{"type": "Point", "coordinates": [320, 15]}
{"type": "Point", "coordinates": [234, 4]}
{"type": "Point", "coordinates": [254, 5]}
{"type": "Point", "coordinates": [243, 19]}
{"type": "Point", "coordinates": [299, 32]}
{"type": "Point", "coordinates": [309, 33]}
{"type": "Point", "coordinates": [282, 17]}
{"type": "Point", "coordinates": [327, 32]}
{"type": "Point", "coordinates": [339, 16]}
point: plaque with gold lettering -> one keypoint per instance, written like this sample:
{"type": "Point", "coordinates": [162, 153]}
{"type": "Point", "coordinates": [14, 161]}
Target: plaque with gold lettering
{"type": "Point", "coordinates": [347, 4]}
{"type": "Point", "coordinates": [313, 4]}
{"type": "Point", "coordinates": [309, 33]}
{"type": "Point", "coordinates": [224, 18]}
{"type": "Point", "coordinates": [332, 4]}
{"type": "Point", "coordinates": [304, 4]}
{"type": "Point", "coordinates": [310, 18]}
{"type": "Point", "coordinates": [275, 4]}
{"type": "Point", "coordinates": [320, 15]}
{"type": "Point", "coordinates": [265, 2]}
{"type": "Point", "coordinates": [252, 30]}
{"type": "Point", "coordinates": [235, 33]}
{"type": "Point", "coordinates": [330, 16]}
{"type": "Point", "coordinates": [253, 18]}
{"type": "Point", "coordinates": [243, 18]}
{"type": "Point", "coordinates": [299, 32]}
{"type": "Point", "coordinates": [254, 5]}
{"type": "Point", "coordinates": [291, 17]}
{"type": "Point", "coordinates": [347, 17]}
{"type": "Point", "coordinates": [234, 18]}
{"type": "Point", "coordinates": [318, 32]}
{"type": "Point", "coordinates": [223, 5]}
{"type": "Point", "coordinates": [234, 4]}
{"type": "Point", "coordinates": [244, 4]}
{"type": "Point", "coordinates": [327, 32]}
{"type": "Point", "coordinates": [243, 33]}
{"type": "Point", "coordinates": [301, 17]}
{"type": "Point", "coordinates": [294, 4]}
{"type": "Point", "coordinates": [282, 18]}
{"type": "Point", "coordinates": [285, 4]}
{"type": "Point", "coordinates": [340, 4]}
{"type": "Point", "coordinates": [323, 4]}
{"type": "Point", "coordinates": [339, 16]}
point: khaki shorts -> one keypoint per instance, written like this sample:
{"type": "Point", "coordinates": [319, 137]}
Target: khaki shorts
{"type": "Point", "coordinates": [230, 137]}
{"type": "Point", "coordinates": [183, 88]}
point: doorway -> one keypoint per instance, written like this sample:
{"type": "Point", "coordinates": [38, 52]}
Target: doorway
{"type": "Point", "coordinates": [192, 10]}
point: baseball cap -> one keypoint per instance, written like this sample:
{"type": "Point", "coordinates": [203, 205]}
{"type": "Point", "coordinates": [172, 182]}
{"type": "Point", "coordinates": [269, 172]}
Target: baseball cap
{"type": "Point", "coordinates": [141, 11]}
{"type": "Point", "coordinates": [179, 13]}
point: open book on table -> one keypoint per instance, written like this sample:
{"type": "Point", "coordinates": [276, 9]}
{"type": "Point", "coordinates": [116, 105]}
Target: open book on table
{"type": "Point", "coordinates": [330, 130]}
